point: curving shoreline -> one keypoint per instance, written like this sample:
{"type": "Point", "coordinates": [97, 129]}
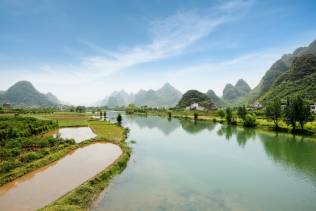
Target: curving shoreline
{"type": "Point", "coordinates": [46, 184]}
{"type": "Point", "coordinates": [82, 197]}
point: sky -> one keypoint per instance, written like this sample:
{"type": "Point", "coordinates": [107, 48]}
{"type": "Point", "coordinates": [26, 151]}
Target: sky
{"type": "Point", "coordinates": [82, 51]}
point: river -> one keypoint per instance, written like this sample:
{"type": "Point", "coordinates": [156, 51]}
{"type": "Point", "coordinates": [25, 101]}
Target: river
{"type": "Point", "coordinates": [186, 165]}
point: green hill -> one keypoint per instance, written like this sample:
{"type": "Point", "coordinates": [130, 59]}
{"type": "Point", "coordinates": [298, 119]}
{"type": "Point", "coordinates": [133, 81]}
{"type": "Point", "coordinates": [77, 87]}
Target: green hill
{"type": "Point", "coordinates": [194, 96]}
{"type": "Point", "coordinates": [218, 102]}
{"type": "Point", "coordinates": [232, 94]}
{"type": "Point", "coordinates": [23, 93]}
{"type": "Point", "coordinates": [300, 79]}
{"type": "Point", "coordinates": [280, 67]}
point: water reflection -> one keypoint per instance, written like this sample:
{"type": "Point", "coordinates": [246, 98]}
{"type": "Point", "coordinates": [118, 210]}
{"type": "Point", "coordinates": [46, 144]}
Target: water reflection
{"type": "Point", "coordinates": [242, 134]}
{"type": "Point", "coordinates": [168, 125]}
{"type": "Point", "coordinates": [162, 124]}
{"type": "Point", "coordinates": [291, 151]}
{"type": "Point", "coordinates": [194, 127]}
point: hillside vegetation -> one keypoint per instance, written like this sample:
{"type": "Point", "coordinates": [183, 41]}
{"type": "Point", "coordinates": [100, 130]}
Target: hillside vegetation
{"type": "Point", "coordinates": [300, 80]}
{"type": "Point", "coordinates": [194, 96]}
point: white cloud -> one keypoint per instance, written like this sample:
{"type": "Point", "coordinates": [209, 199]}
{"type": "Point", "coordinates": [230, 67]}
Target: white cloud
{"type": "Point", "coordinates": [171, 36]}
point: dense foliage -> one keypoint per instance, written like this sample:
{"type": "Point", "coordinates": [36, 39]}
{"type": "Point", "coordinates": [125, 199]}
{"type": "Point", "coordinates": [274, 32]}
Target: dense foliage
{"type": "Point", "coordinates": [17, 152]}
{"type": "Point", "coordinates": [273, 111]}
{"type": "Point", "coordinates": [17, 127]}
{"type": "Point", "coordinates": [277, 70]}
{"type": "Point", "coordinates": [299, 80]}
{"type": "Point", "coordinates": [297, 110]}
{"type": "Point", "coordinates": [21, 145]}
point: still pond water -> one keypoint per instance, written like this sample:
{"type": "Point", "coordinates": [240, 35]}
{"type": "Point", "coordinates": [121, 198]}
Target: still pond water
{"type": "Point", "coordinates": [182, 165]}
{"type": "Point", "coordinates": [79, 134]}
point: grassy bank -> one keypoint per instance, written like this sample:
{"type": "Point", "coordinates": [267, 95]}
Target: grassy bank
{"type": "Point", "coordinates": [82, 197]}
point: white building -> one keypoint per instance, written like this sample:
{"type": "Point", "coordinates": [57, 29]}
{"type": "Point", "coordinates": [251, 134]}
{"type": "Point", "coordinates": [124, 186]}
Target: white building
{"type": "Point", "coordinates": [257, 105]}
{"type": "Point", "coordinates": [195, 106]}
{"type": "Point", "coordinates": [313, 108]}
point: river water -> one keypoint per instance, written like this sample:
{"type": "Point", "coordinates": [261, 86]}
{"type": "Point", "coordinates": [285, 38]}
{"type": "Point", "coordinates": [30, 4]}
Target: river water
{"type": "Point", "coordinates": [186, 165]}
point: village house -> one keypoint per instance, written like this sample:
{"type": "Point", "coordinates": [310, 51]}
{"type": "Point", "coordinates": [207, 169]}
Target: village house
{"type": "Point", "coordinates": [257, 105]}
{"type": "Point", "coordinates": [195, 106]}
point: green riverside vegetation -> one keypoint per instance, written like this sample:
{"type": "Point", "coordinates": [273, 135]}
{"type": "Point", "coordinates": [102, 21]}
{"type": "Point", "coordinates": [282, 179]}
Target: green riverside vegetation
{"type": "Point", "coordinates": [23, 149]}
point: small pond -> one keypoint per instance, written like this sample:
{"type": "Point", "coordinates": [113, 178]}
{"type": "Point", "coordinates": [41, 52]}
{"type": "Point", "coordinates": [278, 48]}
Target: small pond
{"type": "Point", "coordinates": [79, 134]}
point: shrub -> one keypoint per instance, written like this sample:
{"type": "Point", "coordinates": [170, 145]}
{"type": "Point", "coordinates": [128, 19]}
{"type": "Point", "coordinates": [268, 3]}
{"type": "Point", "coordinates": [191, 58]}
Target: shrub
{"type": "Point", "coordinates": [250, 120]}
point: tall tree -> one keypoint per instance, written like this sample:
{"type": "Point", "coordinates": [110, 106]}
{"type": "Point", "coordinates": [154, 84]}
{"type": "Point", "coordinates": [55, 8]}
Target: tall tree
{"type": "Point", "coordinates": [273, 111]}
{"type": "Point", "coordinates": [242, 112]}
{"type": "Point", "coordinates": [229, 115]}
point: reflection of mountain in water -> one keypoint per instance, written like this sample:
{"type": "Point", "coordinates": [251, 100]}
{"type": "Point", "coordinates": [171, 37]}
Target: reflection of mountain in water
{"type": "Point", "coordinates": [165, 126]}
{"type": "Point", "coordinates": [291, 151]}
{"type": "Point", "coordinates": [196, 126]}
{"type": "Point", "coordinates": [242, 134]}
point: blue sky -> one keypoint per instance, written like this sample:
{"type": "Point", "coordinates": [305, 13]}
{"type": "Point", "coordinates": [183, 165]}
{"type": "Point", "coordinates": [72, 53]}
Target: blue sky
{"type": "Point", "coordinates": [84, 50]}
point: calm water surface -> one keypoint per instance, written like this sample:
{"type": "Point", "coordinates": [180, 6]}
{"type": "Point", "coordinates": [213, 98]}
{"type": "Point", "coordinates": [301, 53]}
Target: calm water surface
{"type": "Point", "coordinates": [36, 189]}
{"type": "Point", "coordinates": [79, 134]}
{"type": "Point", "coordinates": [182, 165]}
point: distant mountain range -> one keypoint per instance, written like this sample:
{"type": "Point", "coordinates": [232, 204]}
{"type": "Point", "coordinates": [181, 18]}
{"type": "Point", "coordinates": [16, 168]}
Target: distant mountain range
{"type": "Point", "coordinates": [292, 74]}
{"type": "Point", "coordinates": [23, 93]}
{"type": "Point", "coordinates": [166, 96]}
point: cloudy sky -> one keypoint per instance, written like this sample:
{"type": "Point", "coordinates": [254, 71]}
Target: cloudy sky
{"type": "Point", "coordinates": [83, 50]}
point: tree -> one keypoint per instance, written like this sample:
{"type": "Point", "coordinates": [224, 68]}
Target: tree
{"type": "Point", "coordinates": [242, 112]}
{"type": "Point", "coordinates": [303, 113]}
{"type": "Point", "coordinates": [169, 115]}
{"type": "Point", "coordinates": [101, 114]}
{"type": "Point", "coordinates": [229, 115]}
{"type": "Point", "coordinates": [119, 119]}
{"type": "Point", "coordinates": [273, 111]}
{"type": "Point", "coordinates": [250, 120]}
{"type": "Point", "coordinates": [289, 113]}
{"type": "Point", "coordinates": [80, 109]}
{"type": "Point", "coordinates": [297, 110]}
{"type": "Point", "coordinates": [196, 116]}
{"type": "Point", "coordinates": [221, 113]}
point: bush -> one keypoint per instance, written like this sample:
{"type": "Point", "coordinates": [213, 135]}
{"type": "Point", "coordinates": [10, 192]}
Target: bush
{"type": "Point", "coordinates": [8, 165]}
{"type": "Point", "coordinates": [250, 120]}
{"type": "Point", "coordinates": [30, 156]}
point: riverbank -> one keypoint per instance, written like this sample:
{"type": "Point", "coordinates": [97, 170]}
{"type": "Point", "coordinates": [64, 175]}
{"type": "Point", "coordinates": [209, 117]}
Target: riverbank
{"type": "Point", "coordinates": [261, 122]}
